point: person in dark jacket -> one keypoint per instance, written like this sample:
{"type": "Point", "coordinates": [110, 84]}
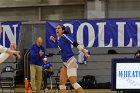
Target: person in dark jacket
{"type": "Point", "coordinates": [37, 53]}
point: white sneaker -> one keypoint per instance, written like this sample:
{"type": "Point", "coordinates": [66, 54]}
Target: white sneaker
{"type": "Point", "coordinates": [46, 89]}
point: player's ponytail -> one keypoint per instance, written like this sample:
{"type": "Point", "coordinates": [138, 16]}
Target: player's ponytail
{"type": "Point", "coordinates": [65, 31]}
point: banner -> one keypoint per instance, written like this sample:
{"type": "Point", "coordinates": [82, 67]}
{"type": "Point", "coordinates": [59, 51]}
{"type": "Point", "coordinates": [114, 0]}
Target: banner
{"type": "Point", "coordinates": [9, 33]}
{"type": "Point", "coordinates": [99, 33]}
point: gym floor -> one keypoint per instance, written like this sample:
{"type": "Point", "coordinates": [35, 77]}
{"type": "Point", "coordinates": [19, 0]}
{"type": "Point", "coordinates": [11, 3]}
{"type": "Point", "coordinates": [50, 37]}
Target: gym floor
{"type": "Point", "coordinates": [22, 90]}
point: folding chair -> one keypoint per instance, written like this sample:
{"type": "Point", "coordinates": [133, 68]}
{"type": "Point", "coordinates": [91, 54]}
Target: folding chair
{"type": "Point", "coordinates": [7, 79]}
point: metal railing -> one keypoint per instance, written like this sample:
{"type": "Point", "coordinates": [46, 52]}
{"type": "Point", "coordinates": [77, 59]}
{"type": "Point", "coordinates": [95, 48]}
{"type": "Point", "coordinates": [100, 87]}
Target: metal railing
{"type": "Point", "coordinates": [27, 65]}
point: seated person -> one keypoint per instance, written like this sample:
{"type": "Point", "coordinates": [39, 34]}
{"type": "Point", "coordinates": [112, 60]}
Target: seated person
{"type": "Point", "coordinates": [47, 72]}
{"type": "Point", "coordinates": [81, 57]}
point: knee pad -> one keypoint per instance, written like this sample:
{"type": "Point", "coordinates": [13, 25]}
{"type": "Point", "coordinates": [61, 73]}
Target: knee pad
{"type": "Point", "coordinates": [72, 72]}
{"type": "Point", "coordinates": [62, 87]}
{"type": "Point", "coordinates": [76, 86]}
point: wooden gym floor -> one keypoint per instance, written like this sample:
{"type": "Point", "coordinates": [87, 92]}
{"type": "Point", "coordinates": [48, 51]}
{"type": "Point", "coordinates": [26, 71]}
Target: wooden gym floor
{"type": "Point", "coordinates": [22, 90]}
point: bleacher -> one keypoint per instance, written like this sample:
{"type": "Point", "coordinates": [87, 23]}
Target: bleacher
{"type": "Point", "coordinates": [98, 65]}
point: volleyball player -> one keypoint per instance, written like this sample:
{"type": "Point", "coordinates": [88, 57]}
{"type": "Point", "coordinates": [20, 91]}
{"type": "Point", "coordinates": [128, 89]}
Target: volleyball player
{"type": "Point", "coordinates": [6, 52]}
{"type": "Point", "coordinates": [69, 70]}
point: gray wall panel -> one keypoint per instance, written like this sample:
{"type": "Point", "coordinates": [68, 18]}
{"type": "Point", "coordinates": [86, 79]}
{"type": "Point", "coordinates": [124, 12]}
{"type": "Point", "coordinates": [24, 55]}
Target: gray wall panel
{"type": "Point", "coordinates": [95, 65]}
{"type": "Point", "coordinates": [96, 72]}
{"type": "Point", "coordinates": [123, 9]}
{"type": "Point", "coordinates": [101, 50]}
{"type": "Point", "coordinates": [63, 12]}
{"type": "Point", "coordinates": [94, 58]}
{"type": "Point", "coordinates": [18, 14]}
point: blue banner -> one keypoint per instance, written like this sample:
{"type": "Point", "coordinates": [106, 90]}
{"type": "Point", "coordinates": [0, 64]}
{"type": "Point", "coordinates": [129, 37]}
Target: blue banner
{"type": "Point", "coordinates": [9, 33]}
{"type": "Point", "coordinates": [99, 33]}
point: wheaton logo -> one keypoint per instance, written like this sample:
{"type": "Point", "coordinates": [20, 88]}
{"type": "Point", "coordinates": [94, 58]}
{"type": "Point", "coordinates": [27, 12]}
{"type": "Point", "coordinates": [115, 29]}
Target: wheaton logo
{"type": "Point", "coordinates": [129, 74]}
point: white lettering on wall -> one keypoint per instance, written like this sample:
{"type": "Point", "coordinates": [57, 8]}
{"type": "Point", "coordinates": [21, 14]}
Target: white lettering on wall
{"type": "Point", "coordinates": [91, 34]}
{"type": "Point", "coordinates": [8, 31]}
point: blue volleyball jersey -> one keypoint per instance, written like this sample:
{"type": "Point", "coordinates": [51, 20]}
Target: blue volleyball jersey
{"type": "Point", "coordinates": [47, 65]}
{"type": "Point", "coordinates": [64, 44]}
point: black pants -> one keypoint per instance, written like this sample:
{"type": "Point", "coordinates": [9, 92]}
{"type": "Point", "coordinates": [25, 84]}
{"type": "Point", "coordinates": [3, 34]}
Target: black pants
{"type": "Point", "coordinates": [46, 75]}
